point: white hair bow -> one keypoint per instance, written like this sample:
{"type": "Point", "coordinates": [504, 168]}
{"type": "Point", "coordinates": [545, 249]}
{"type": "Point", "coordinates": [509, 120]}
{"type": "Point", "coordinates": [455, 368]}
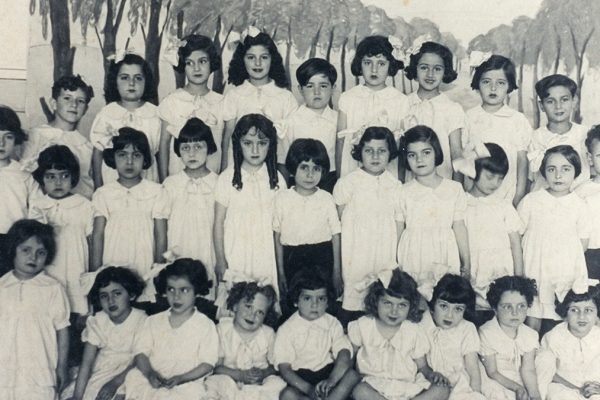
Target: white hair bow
{"type": "Point", "coordinates": [579, 286]}
{"type": "Point", "coordinates": [171, 54]}
{"type": "Point", "coordinates": [231, 277]}
{"type": "Point", "coordinates": [384, 276]}
{"type": "Point", "coordinates": [120, 54]}
{"type": "Point", "coordinates": [87, 279]}
{"type": "Point", "coordinates": [251, 31]}
{"type": "Point", "coordinates": [466, 164]}
{"type": "Point", "coordinates": [397, 44]}
{"type": "Point", "coordinates": [428, 282]}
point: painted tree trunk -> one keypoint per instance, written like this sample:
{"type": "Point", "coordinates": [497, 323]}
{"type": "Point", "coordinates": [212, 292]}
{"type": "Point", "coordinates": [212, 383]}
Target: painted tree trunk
{"type": "Point", "coordinates": [536, 109]}
{"type": "Point", "coordinates": [61, 38]}
{"type": "Point", "coordinates": [520, 83]}
{"type": "Point", "coordinates": [343, 65]}
{"type": "Point", "coordinates": [153, 42]}
{"type": "Point", "coordinates": [218, 84]}
{"type": "Point", "coordinates": [288, 52]}
{"type": "Point", "coordinates": [179, 76]}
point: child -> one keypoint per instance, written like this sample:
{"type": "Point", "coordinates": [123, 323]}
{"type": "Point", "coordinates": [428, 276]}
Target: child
{"type": "Point", "coordinates": [259, 86]}
{"type": "Point", "coordinates": [454, 340]}
{"type": "Point", "coordinates": [109, 335]}
{"type": "Point", "coordinates": [70, 99]}
{"type": "Point", "coordinates": [556, 232]}
{"type": "Point", "coordinates": [34, 315]}
{"type": "Point", "coordinates": [197, 58]}
{"type": "Point", "coordinates": [570, 352]}
{"type": "Point", "coordinates": [433, 235]}
{"type": "Point", "coordinates": [508, 346]}
{"type": "Point", "coordinates": [431, 66]}
{"type": "Point", "coordinates": [243, 233]}
{"type": "Point", "coordinates": [370, 104]}
{"type": "Point", "coordinates": [246, 346]}
{"type": "Point", "coordinates": [314, 119]}
{"type": "Point", "coordinates": [312, 353]}
{"type": "Point", "coordinates": [557, 96]}
{"type": "Point", "coordinates": [176, 348]}
{"type": "Point", "coordinates": [129, 88]}
{"type": "Point", "coordinates": [191, 195]}
{"type": "Point", "coordinates": [367, 201]}
{"type": "Point", "coordinates": [390, 346]}
{"type": "Point", "coordinates": [305, 222]}
{"type": "Point", "coordinates": [130, 220]}
{"type": "Point", "coordinates": [495, 122]}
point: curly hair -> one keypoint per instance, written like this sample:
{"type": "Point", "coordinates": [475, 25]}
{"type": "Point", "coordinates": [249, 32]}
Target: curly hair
{"type": "Point", "coordinates": [373, 46]}
{"type": "Point", "coordinates": [525, 286]}
{"type": "Point", "coordinates": [195, 130]}
{"type": "Point", "coordinates": [307, 150]}
{"type": "Point", "coordinates": [593, 294]}
{"type": "Point", "coordinates": [72, 83]}
{"type": "Point", "coordinates": [420, 133]}
{"type": "Point", "coordinates": [309, 280]}
{"type": "Point", "coordinates": [57, 157]}
{"type": "Point", "coordinates": [401, 286]}
{"type": "Point", "coordinates": [23, 230]}
{"type": "Point", "coordinates": [375, 133]}
{"type": "Point", "coordinates": [456, 290]}
{"type": "Point", "coordinates": [567, 152]}
{"type": "Point", "coordinates": [128, 136]}
{"type": "Point", "coordinates": [111, 93]}
{"type": "Point", "coordinates": [192, 270]}
{"type": "Point", "coordinates": [198, 42]}
{"type": "Point", "coordinates": [125, 277]}
{"type": "Point", "coordinates": [432, 48]}
{"type": "Point", "coordinates": [9, 121]}
{"type": "Point", "coordinates": [496, 163]}
{"type": "Point", "coordinates": [246, 291]}
{"type": "Point", "coordinates": [493, 63]}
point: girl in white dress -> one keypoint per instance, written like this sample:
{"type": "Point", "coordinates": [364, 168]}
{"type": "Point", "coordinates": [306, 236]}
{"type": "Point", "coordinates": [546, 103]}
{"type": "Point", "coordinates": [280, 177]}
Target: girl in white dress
{"type": "Point", "coordinates": [367, 201]}
{"type": "Point", "coordinates": [244, 370]}
{"type": "Point", "coordinates": [197, 57]}
{"type": "Point", "coordinates": [175, 349]}
{"type": "Point", "coordinates": [109, 334]}
{"type": "Point", "coordinates": [191, 194]}
{"type": "Point", "coordinates": [130, 220]}
{"type": "Point", "coordinates": [129, 89]}
{"type": "Point", "coordinates": [371, 104]}
{"type": "Point", "coordinates": [391, 346]}
{"type": "Point", "coordinates": [556, 232]}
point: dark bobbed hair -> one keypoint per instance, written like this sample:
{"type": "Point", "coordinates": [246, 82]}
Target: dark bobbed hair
{"type": "Point", "coordinates": [192, 270]}
{"type": "Point", "coordinates": [9, 121]}
{"type": "Point", "coordinates": [246, 291]}
{"type": "Point", "coordinates": [195, 130]}
{"type": "Point", "coordinates": [111, 93]}
{"type": "Point", "coordinates": [543, 85]}
{"type": "Point", "coordinates": [198, 42]}
{"type": "Point", "coordinates": [525, 286]}
{"type": "Point", "coordinates": [456, 290]}
{"type": "Point", "coordinates": [72, 83]}
{"type": "Point", "coordinates": [568, 152]}
{"type": "Point", "coordinates": [125, 277]}
{"type": "Point", "coordinates": [496, 163]}
{"type": "Point", "coordinates": [433, 48]}
{"type": "Point", "coordinates": [375, 133]}
{"type": "Point", "coordinates": [315, 66]}
{"type": "Point", "coordinates": [402, 286]}
{"type": "Point", "coordinates": [421, 133]}
{"type": "Point", "coordinates": [58, 157]}
{"type": "Point", "coordinates": [309, 279]}
{"type": "Point", "coordinates": [263, 126]}
{"type": "Point", "coordinates": [128, 136]}
{"type": "Point", "coordinates": [237, 69]}
{"type": "Point", "coordinates": [307, 150]}
{"type": "Point", "coordinates": [373, 46]}
{"type": "Point", "coordinates": [593, 134]}
{"type": "Point", "coordinates": [593, 294]}
{"type": "Point", "coordinates": [24, 229]}
{"type": "Point", "coordinates": [493, 63]}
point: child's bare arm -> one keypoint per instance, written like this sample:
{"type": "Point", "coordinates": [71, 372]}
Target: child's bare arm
{"type": "Point", "coordinates": [432, 376]}
{"type": "Point", "coordinates": [85, 370]}
{"type": "Point", "coordinates": [143, 364]}
{"type": "Point", "coordinates": [219, 236]}
{"type": "Point", "coordinates": [227, 132]}
{"type": "Point", "coordinates": [489, 363]}
{"type": "Point", "coordinates": [160, 239]}
{"type": "Point", "coordinates": [529, 375]}
{"type": "Point", "coordinates": [97, 168]}
{"type": "Point", "coordinates": [559, 379]}
{"type": "Point", "coordinates": [62, 339]}
{"type": "Point", "coordinates": [522, 172]}
{"type": "Point", "coordinates": [338, 282]}
{"type": "Point", "coordinates": [342, 123]}
{"type": "Point", "coordinates": [164, 152]}
{"type": "Point", "coordinates": [192, 375]}
{"type": "Point", "coordinates": [462, 241]}
{"type": "Point", "coordinates": [456, 151]}
{"type": "Point", "coordinates": [279, 261]}
{"type": "Point", "coordinates": [472, 367]}
{"type": "Point", "coordinates": [294, 380]}
{"type": "Point", "coordinates": [97, 249]}
{"type": "Point", "coordinates": [517, 252]}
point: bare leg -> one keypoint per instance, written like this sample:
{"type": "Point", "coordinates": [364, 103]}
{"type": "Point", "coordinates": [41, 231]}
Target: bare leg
{"type": "Point", "coordinates": [435, 392]}
{"type": "Point", "coordinates": [291, 393]}
{"type": "Point", "coordinates": [344, 387]}
{"type": "Point", "coordinates": [364, 391]}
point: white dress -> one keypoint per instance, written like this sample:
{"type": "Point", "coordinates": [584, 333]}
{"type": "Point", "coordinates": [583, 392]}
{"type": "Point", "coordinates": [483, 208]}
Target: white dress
{"type": "Point", "coordinates": [178, 107]}
{"type": "Point", "coordinates": [365, 107]}
{"type": "Point", "coordinates": [552, 249]}
{"type": "Point", "coordinates": [31, 313]}
{"type": "Point", "coordinates": [590, 193]}
{"type": "Point", "coordinates": [489, 221]}
{"type": "Point", "coordinates": [17, 190]}
{"type": "Point", "coordinates": [388, 365]}
{"type": "Point", "coordinates": [72, 219]}
{"type": "Point", "coordinates": [241, 353]}
{"type": "Point", "coordinates": [369, 228]}
{"type": "Point", "coordinates": [111, 118]}
{"type": "Point", "coordinates": [173, 351]}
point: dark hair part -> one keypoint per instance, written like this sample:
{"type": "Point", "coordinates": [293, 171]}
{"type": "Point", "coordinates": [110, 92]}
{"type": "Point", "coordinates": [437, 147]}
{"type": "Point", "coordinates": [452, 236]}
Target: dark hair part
{"type": "Point", "coordinates": [375, 133]}
{"type": "Point", "coordinates": [373, 46]}
{"type": "Point", "coordinates": [420, 133]}
{"type": "Point", "coordinates": [128, 136]}
{"type": "Point", "coordinates": [433, 48]}
{"type": "Point", "coordinates": [593, 294]}
{"type": "Point", "coordinates": [195, 130]}
{"type": "Point", "coordinates": [72, 83]}
{"type": "Point", "coordinates": [125, 277]}
{"type": "Point", "coordinates": [496, 163]}
{"type": "Point", "coordinates": [401, 286]}
{"type": "Point", "coordinates": [198, 42]}
{"type": "Point", "coordinates": [566, 151]}
{"type": "Point", "coordinates": [307, 150]}
{"type": "Point", "coordinates": [247, 291]}
{"type": "Point", "coordinates": [456, 290]}
{"type": "Point", "coordinates": [237, 69]}
{"type": "Point", "coordinates": [493, 63]}
{"type": "Point", "coordinates": [315, 66]}
{"type": "Point", "coordinates": [525, 286]}
{"type": "Point", "coordinates": [543, 85]}
{"type": "Point", "coordinates": [9, 121]}
{"type": "Point", "coordinates": [263, 126]}
{"type": "Point", "coordinates": [192, 270]}
{"type": "Point", "coordinates": [111, 93]}
{"type": "Point", "coordinates": [309, 279]}
{"type": "Point", "coordinates": [58, 157]}
{"type": "Point", "coordinates": [593, 134]}
{"type": "Point", "coordinates": [24, 229]}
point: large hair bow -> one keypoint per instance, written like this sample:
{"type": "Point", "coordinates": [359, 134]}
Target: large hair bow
{"type": "Point", "coordinates": [384, 276]}
{"type": "Point", "coordinates": [251, 31]}
{"type": "Point", "coordinates": [171, 54]}
{"type": "Point", "coordinates": [466, 164]}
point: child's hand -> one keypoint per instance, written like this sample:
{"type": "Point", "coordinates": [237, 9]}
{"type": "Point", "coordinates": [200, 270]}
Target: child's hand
{"type": "Point", "coordinates": [323, 388]}
{"type": "Point", "coordinates": [220, 269]}
{"type": "Point", "coordinates": [155, 379]}
{"type": "Point", "coordinates": [173, 381]}
{"type": "Point", "coordinates": [438, 379]}
{"type": "Point", "coordinates": [521, 393]}
{"type": "Point", "coordinates": [253, 376]}
{"type": "Point", "coordinates": [590, 388]}
{"type": "Point", "coordinates": [108, 390]}
{"type": "Point", "coordinates": [338, 284]}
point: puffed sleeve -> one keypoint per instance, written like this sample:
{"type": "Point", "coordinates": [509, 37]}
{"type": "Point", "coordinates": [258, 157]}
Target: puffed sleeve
{"type": "Point", "coordinates": [209, 352]}
{"type": "Point", "coordinates": [512, 221]}
{"type": "Point", "coordinates": [224, 188]}
{"type": "Point", "coordinates": [144, 341]}
{"type": "Point", "coordinates": [460, 205]}
{"type": "Point", "coordinates": [524, 210]}
{"type": "Point", "coordinates": [470, 340]}
{"type": "Point", "coordinates": [88, 215]}
{"type": "Point", "coordinates": [229, 106]}
{"type": "Point", "coordinates": [455, 117]}
{"type": "Point", "coordinates": [421, 343]}
{"type": "Point", "coordinates": [525, 133]}
{"type": "Point", "coordinates": [279, 211]}
{"type": "Point", "coordinates": [60, 308]}
{"type": "Point", "coordinates": [160, 207]}
{"type": "Point", "coordinates": [99, 132]}
{"type": "Point", "coordinates": [354, 334]}
{"type": "Point", "coordinates": [343, 103]}
{"type": "Point", "coordinates": [35, 212]}
{"type": "Point", "coordinates": [92, 333]}
{"type": "Point", "coordinates": [99, 204]}
{"type": "Point", "coordinates": [283, 351]}
{"type": "Point", "coordinates": [488, 341]}
{"type": "Point", "coordinates": [339, 341]}
{"type": "Point", "coordinates": [270, 336]}
{"type": "Point", "coordinates": [165, 110]}
{"type": "Point", "coordinates": [341, 192]}
{"type": "Point", "coordinates": [333, 218]}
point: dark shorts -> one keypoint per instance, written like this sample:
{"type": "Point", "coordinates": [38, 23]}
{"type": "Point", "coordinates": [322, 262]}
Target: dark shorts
{"type": "Point", "coordinates": [592, 259]}
{"type": "Point", "coordinates": [308, 257]}
{"type": "Point", "coordinates": [314, 377]}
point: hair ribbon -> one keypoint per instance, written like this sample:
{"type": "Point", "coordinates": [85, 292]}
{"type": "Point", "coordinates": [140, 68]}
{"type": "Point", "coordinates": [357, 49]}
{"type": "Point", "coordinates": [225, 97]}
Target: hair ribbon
{"type": "Point", "coordinates": [231, 277]}
{"type": "Point", "coordinates": [171, 54]}
{"type": "Point", "coordinates": [384, 276]}
{"type": "Point", "coordinates": [120, 54]}
{"type": "Point", "coordinates": [87, 279]}
{"type": "Point", "coordinates": [579, 286]}
{"type": "Point", "coordinates": [251, 31]}
{"type": "Point", "coordinates": [466, 164]}
{"type": "Point", "coordinates": [397, 44]}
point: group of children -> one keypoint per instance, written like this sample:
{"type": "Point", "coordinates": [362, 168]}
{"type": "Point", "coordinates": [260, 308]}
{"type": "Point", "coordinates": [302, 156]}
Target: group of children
{"type": "Point", "coordinates": [190, 200]}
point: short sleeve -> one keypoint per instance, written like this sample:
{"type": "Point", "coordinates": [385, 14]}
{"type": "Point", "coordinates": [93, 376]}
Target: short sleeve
{"type": "Point", "coordinates": [223, 189]}
{"type": "Point", "coordinates": [36, 213]}
{"type": "Point", "coordinates": [270, 336]}
{"type": "Point", "coordinates": [100, 207]}
{"type": "Point", "coordinates": [344, 103]}
{"type": "Point", "coordinates": [290, 104]}
{"type": "Point", "coordinates": [525, 133]}
{"type": "Point", "coordinates": [209, 351]}
{"type": "Point", "coordinates": [341, 192]}
{"type": "Point", "coordinates": [455, 117]}
{"type": "Point", "coordinates": [283, 351]}
{"type": "Point", "coordinates": [89, 218]}
{"type": "Point", "coordinates": [333, 218]}
{"type": "Point", "coordinates": [421, 345]}
{"type": "Point", "coordinates": [99, 131]}
{"type": "Point", "coordinates": [524, 210]}
{"type": "Point", "coordinates": [60, 308]}
{"type": "Point", "coordinates": [527, 339]}
{"type": "Point", "coordinates": [584, 226]}
{"type": "Point", "coordinates": [339, 340]}
{"type": "Point", "coordinates": [160, 208]}
{"type": "Point", "coordinates": [460, 206]}
{"type": "Point", "coordinates": [144, 341]}
{"type": "Point", "coordinates": [92, 333]}
{"type": "Point", "coordinates": [165, 110]}
{"type": "Point", "coordinates": [279, 211]}
{"type": "Point", "coordinates": [229, 106]}
{"type": "Point", "coordinates": [354, 334]}
{"type": "Point", "coordinates": [470, 341]}
{"type": "Point", "coordinates": [487, 342]}
{"type": "Point", "coordinates": [512, 221]}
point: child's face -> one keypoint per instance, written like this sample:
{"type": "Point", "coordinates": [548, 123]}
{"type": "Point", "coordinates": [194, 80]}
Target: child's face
{"type": "Point", "coordinates": [493, 87]}
{"type": "Point", "coordinates": [115, 301]}
{"type": "Point", "coordinates": [70, 105]}
{"type": "Point", "coordinates": [257, 61]}
{"type": "Point", "coordinates": [57, 183]}
{"type": "Point", "coordinates": [558, 105]}
{"type": "Point", "coordinates": [180, 295]}
{"type": "Point", "coordinates": [430, 71]}
{"type": "Point", "coordinates": [255, 147]}
{"type": "Point", "coordinates": [194, 154]}
{"type": "Point", "coordinates": [30, 258]}
{"type": "Point", "coordinates": [421, 158]}
{"type": "Point", "coordinates": [448, 315]}
{"type": "Point", "coordinates": [250, 313]}
{"type": "Point", "coordinates": [308, 175]}
{"type": "Point", "coordinates": [312, 304]}
{"type": "Point", "coordinates": [317, 92]}
{"type": "Point", "coordinates": [129, 162]}
{"type": "Point", "coordinates": [197, 67]}
{"type": "Point", "coordinates": [392, 311]}
{"type": "Point", "coordinates": [581, 317]}
{"type": "Point", "coordinates": [594, 156]}
{"type": "Point", "coordinates": [7, 146]}
{"type": "Point", "coordinates": [375, 70]}
{"type": "Point", "coordinates": [560, 174]}
{"type": "Point", "coordinates": [375, 156]}
{"type": "Point", "coordinates": [488, 182]}
{"type": "Point", "coordinates": [131, 82]}
{"type": "Point", "coordinates": [512, 309]}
